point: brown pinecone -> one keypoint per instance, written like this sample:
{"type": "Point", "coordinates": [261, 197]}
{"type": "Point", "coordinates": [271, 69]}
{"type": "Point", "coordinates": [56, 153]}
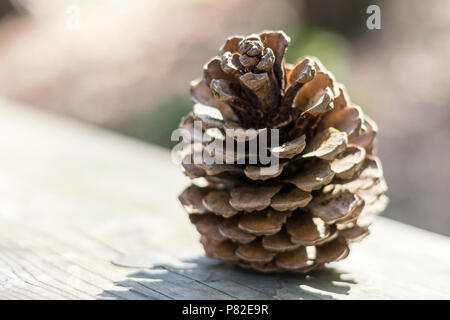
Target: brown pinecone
{"type": "Point", "coordinates": [329, 184]}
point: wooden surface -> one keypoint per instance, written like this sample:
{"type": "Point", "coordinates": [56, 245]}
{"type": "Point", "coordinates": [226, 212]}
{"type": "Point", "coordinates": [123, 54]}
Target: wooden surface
{"type": "Point", "coordinates": [87, 214]}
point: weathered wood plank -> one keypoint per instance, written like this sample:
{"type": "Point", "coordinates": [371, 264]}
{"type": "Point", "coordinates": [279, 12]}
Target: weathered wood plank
{"type": "Point", "coordinates": [79, 203]}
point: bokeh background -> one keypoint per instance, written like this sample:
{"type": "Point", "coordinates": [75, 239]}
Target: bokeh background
{"type": "Point", "coordinates": [128, 66]}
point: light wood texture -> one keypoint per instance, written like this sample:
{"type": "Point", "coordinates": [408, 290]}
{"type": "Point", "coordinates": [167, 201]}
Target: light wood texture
{"type": "Point", "coordinates": [87, 214]}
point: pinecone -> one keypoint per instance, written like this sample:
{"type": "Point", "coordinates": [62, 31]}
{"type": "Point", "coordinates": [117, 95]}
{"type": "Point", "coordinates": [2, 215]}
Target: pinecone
{"type": "Point", "coordinates": [328, 184]}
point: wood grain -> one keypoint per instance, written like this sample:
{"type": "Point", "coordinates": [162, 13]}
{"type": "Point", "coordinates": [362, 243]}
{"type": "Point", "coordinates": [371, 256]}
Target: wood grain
{"type": "Point", "coordinates": [88, 214]}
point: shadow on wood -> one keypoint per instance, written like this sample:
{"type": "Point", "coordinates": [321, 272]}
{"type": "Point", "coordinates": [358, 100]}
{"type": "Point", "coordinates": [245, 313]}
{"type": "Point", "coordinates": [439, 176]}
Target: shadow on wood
{"type": "Point", "coordinates": [203, 278]}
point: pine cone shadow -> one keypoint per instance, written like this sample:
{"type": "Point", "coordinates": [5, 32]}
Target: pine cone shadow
{"type": "Point", "coordinates": [203, 278]}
